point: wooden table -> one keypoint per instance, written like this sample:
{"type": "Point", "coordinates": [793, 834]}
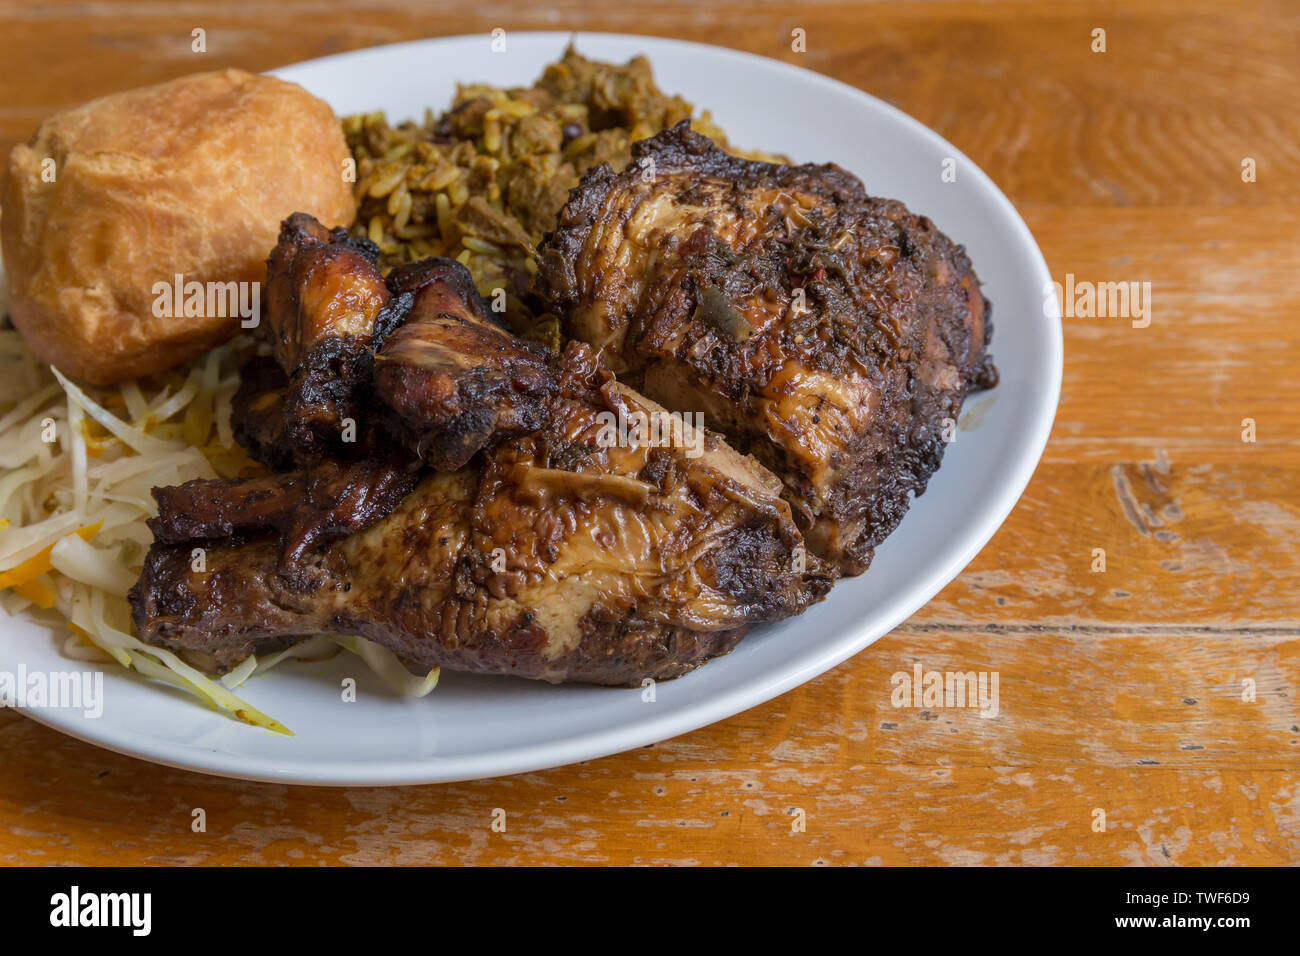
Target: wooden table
{"type": "Point", "coordinates": [1120, 691]}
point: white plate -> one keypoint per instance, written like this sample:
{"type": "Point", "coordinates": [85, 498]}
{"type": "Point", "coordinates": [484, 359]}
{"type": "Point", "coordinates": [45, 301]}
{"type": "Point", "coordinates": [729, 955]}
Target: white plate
{"type": "Point", "coordinates": [474, 727]}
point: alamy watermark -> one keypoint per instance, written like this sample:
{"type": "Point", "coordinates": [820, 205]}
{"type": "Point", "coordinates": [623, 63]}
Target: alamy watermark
{"type": "Point", "coordinates": [941, 689]}
{"type": "Point", "coordinates": [54, 690]}
{"type": "Point", "coordinates": [221, 300]}
{"type": "Point", "coordinates": [1101, 300]}
{"type": "Point", "coordinates": [74, 908]}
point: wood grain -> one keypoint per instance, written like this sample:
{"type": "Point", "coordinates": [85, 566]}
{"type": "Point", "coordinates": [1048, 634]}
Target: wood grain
{"type": "Point", "coordinates": [1119, 690]}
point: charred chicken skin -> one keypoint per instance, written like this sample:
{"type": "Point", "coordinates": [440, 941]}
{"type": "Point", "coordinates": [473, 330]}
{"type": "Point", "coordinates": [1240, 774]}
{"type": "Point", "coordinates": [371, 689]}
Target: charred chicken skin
{"type": "Point", "coordinates": [306, 508]}
{"type": "Point", "coordinates": [257, 413]}
{"type": "Point", "coordinates": [448, 379]}
{"type": "Point", "coordinates": [454, 379]}
{"type": "Point", "coordinates": [327, 310]}
{"type": "Point", "coordinates": [557, 554]}
{"type": "Point", "coordinates": [830, 334]}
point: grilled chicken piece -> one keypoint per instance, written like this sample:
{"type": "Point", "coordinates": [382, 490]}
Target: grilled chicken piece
{"type": "Point", "coordinates": [557, 556]}
{"type": "Point", "coordinates": [450, 379]}
{"type": "Point", "coordinates": [257, 413]}
{"type": "Point", "coordinates": [327, 310]}
{"type": "Point", "coordinates": [306, 508]}
{"type": "Point", "coordinates": [830, 334]}
{"type": "Point", "coordinates": [456, 380]}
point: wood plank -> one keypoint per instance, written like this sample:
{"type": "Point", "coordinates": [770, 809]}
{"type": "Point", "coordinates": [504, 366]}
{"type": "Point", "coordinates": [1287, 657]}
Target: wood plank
{"type": "Point", "coordinates": [1222, 344]}
{"type": "Point", "coordinates": [946, 792]}
{"type": "Point", "coordinates": [1164, 116]}
{"type": "Point", "coordinates": [1186, 542]}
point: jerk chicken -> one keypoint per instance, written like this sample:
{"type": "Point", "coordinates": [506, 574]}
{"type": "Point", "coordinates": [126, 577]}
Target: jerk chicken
{"type": "Point", "coordinates": [830, 334]}
{"type": "Point", "coordinates": [542, 545]}
{"type": "Point", "coordinates": [452, 377]}
{"type": "Point", "coordinates": [327, 310]}
{"type": "Point", "coordinates": [257, 414]}
{"type": "Point", "coordinates": [306, 508]}
{"type": "Point", "coordinates": [556, 555]}
{"type": "Point", "coordinates": [484, 519]}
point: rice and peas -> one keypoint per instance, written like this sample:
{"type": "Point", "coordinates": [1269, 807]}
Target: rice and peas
{"type": "Point", "coordinates": [481, 184]}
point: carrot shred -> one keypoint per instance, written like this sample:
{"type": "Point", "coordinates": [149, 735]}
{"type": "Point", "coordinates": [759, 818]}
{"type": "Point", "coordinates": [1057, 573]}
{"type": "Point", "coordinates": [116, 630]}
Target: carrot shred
{"type": "Point", "coordinates": [39, 563]}
{"type": "Point", "coordinates": [37, 593]}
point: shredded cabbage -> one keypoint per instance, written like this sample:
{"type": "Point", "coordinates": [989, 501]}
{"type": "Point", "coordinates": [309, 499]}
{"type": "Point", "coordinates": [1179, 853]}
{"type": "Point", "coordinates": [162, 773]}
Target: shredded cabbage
{"type": "Point", "coordinates": [386, 664]}
{"type": "Point", "coordinates": [73, 510]}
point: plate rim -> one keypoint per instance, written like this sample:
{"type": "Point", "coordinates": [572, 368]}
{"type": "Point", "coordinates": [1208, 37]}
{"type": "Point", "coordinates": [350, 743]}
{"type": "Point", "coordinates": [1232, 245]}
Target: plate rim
{"type": "Point", "coordinates": [599, 742]}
